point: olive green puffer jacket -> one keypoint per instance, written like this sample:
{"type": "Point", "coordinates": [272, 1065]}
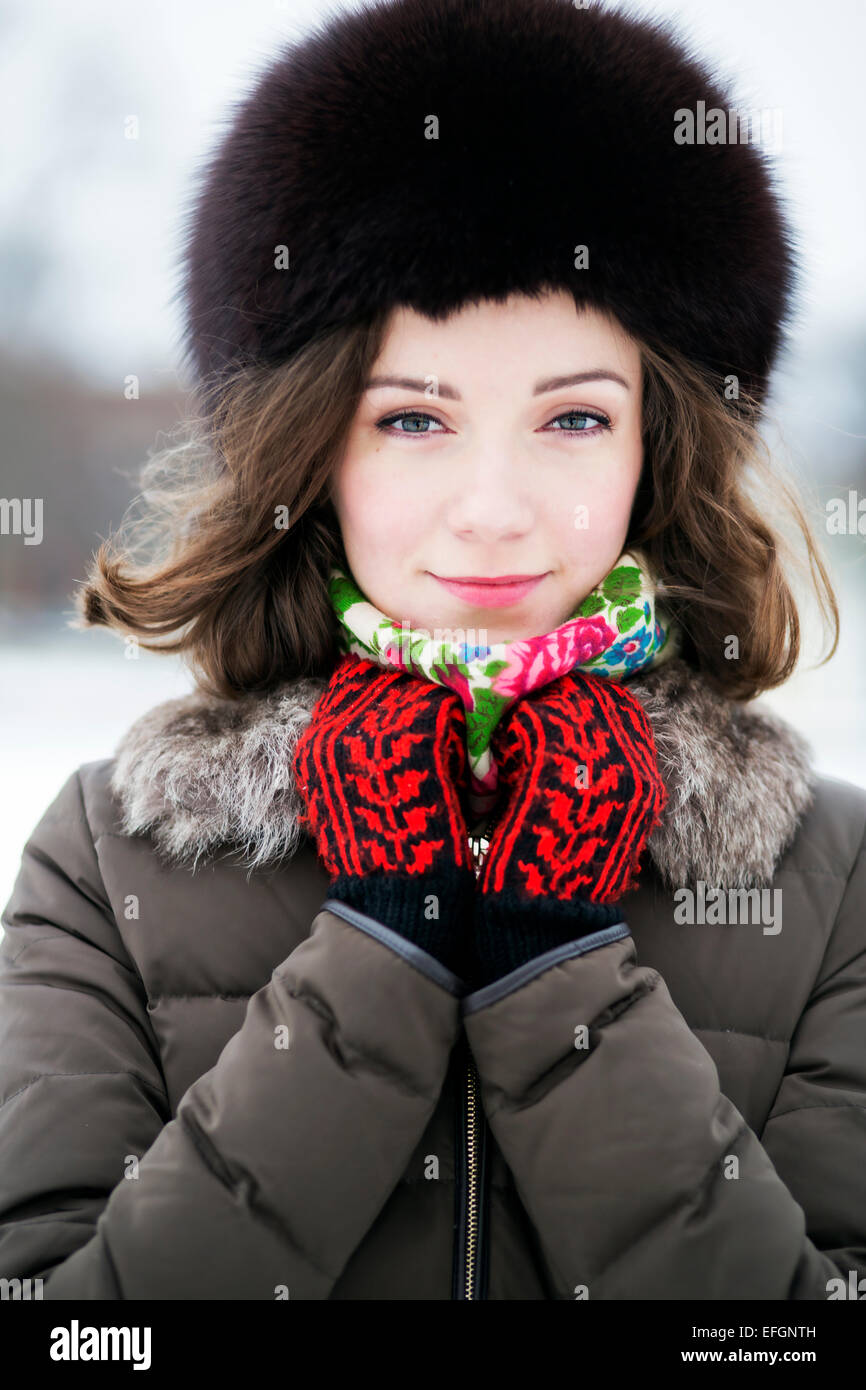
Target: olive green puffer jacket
{"type": "Point", "coordinates": [217, 1084]}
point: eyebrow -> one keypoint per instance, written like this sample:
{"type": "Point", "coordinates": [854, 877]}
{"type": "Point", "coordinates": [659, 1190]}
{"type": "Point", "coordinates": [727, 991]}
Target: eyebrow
{"type": "Point", "coordinates": [553, 383]}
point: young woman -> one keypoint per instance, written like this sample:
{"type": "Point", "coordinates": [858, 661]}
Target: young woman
{"type": "Point", "coordinates": [468, 933]}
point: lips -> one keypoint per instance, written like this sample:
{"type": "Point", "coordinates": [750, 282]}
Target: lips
{"type": "Point", "coordinates": [485, 579]}
{"type": "Point", "coordinates": [500, 592]}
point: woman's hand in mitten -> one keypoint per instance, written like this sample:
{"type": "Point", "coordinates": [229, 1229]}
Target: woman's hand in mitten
{"type": "Point", "coordinates": [582, 792]}
{"type": "Point", "coordinates": [381, 770]}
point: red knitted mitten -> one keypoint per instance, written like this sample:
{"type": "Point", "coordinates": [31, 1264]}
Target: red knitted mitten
{"type": "Point", "coordinates": [381, 769]}
{"type": "Point", "coordinates": [582, 789]}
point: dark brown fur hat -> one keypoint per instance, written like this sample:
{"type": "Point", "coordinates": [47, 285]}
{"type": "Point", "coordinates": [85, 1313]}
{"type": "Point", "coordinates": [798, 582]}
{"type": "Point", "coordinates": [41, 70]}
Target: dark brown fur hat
{"type": "Point", "coordinates": [436, 152]}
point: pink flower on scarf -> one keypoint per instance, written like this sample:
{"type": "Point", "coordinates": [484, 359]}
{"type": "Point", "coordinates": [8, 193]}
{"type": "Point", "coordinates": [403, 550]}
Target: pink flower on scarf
{"type": "Point", "coordinates": [458, 682]}
{"type": "Point", "coordinates": [393, 655]}
{"type": "Point", "coordinates": [537, 660]}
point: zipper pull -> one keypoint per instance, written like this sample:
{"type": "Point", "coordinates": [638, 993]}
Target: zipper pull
{"type": "Point", "coordinates": [479, 845]}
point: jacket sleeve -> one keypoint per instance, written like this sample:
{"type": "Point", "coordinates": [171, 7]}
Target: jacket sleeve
{"type": "Point", "coordinates": [623, 1150]}
{"type": "Point", "coordinates": [278, 1159]}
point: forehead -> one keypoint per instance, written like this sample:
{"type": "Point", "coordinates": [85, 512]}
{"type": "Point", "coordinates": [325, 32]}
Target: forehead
{"type": "Point", "coordinates": [537, 337]}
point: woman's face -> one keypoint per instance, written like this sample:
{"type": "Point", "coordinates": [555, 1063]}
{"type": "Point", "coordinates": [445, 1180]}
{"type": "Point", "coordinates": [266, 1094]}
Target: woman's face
{"type": "Point", "coordinates": [500, 467]}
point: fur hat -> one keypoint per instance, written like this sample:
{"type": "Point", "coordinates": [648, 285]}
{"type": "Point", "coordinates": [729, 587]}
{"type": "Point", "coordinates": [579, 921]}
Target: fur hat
{"type": "Point", "coordinates": [434, 152]}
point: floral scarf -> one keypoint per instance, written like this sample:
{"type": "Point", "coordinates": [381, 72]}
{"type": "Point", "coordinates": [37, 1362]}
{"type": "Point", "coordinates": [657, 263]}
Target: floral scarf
{"type": "Point", "coordinates": [617, 629]}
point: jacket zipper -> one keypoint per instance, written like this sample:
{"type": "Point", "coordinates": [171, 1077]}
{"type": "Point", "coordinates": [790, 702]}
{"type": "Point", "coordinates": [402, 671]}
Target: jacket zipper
{"type": "Point", "coordinates": [475, 1272]}
{"type": "Point", "coordinates": [470, 1268]}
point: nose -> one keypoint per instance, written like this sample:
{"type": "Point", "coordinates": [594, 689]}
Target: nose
{"type": "Point", "coordinates": [493, 498]}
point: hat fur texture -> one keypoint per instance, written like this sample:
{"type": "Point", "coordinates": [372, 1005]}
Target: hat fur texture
{"type": "Point", "coordinates": [431, 153]}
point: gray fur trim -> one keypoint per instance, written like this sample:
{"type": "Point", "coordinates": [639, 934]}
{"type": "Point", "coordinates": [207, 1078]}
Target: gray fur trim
{"type": "Point", "coordinates": [738, 778]}
{"type": "Point", "coordinates": [200, 775]}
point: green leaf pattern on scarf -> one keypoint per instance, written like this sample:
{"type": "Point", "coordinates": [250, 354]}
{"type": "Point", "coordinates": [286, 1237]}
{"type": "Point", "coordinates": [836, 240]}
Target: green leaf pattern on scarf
{"type": "Point", "coordinates": [489, 708]}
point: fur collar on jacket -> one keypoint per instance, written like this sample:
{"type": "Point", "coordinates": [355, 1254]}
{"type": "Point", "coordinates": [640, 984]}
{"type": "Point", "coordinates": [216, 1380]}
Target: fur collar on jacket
{"type": "Point", "coordinates": [203, 775]}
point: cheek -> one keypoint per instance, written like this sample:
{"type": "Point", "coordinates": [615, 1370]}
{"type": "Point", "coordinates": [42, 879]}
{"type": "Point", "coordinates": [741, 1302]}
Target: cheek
{"type": "Point", "coordinates": [592, 510]}
{"type": "Point", "coordinates": [596, 508]}
{"type": "Point", "coordinates": [381, 509]}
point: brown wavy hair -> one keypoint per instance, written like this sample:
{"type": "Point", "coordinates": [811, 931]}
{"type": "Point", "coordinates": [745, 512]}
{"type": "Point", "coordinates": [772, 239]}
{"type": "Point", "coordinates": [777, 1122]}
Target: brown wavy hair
{"type": "Point", "coordinates": [225, 554]}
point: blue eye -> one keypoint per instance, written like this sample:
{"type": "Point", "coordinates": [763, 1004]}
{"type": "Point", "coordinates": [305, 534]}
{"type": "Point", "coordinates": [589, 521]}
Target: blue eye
{"type": "Point", "coordinates": [601, 420]}
{"type": "Point", "coordinates": [384, 425]}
